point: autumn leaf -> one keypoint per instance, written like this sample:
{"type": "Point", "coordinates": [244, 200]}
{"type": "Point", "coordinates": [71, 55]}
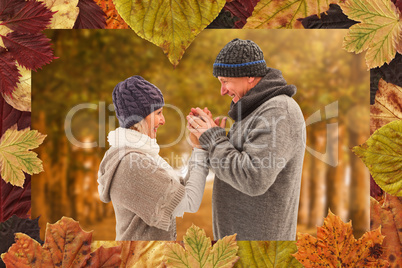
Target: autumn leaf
{"type": "Point", "coordinates": [197, 251]}
{"type": "Point", "coordinates": [388, 214]}
{"type": "Point", "coordinates": [271, 14]}
{"type": "Point", "coordinates": [8, 8]}
{"type": "Point", "coordinates": [267, 254]}
{"type": "Point", "coordinates": [387, 106]}
{"type": "Point", "coordinates": [242, 9]}
{"type": "Point", "coordinates": [389, 72]}
{"type": "Point", "coordinates": [30, 50]}
{"type": "Point", "coordinates": [171, 25]}
{"type": "Point", "coordinates": [15, 156]}
{"type": "Point", "coordinates": [20, 98]}
{"type": "Point", "coordinates": [113, 19]}
{"type": "Point", "coordinates": [378, 31]}
{"type": "Point", "coordinates": [15, 200]}
{"type": "Point", "coordinates": [16, 225]}
{"type": "Point", "coordinates": [91, 16]}
{"type": "Point", "coordinates": [382, 154]}
{"type": "Point", "coordinates": [67, 13]}
{"type": "Point", "coordinates": [335, 246]}
{"type": "Point", "coordinates": [31, 17]}
{"type": "Point", "coordinates": [9, 74]}
{"type": "Point", "coordinates": [66, 245]}
{"type": "Point", "coordinates": [330, 19]}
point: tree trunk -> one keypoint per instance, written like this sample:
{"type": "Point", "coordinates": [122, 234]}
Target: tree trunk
{"type": "Point", "coordinates": [317, 186]}
{"type": "Point", "coordinates": [335, 178]}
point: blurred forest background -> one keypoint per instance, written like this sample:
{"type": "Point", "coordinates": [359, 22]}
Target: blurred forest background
{"type": "Point", "coordinates": [74, 93]}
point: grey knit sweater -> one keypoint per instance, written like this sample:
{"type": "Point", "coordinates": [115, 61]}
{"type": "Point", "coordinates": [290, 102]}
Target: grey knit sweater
{"type": "Point", "coordinates": [144, 196]}
{"type": "Point", "coordinates": [258, 164]}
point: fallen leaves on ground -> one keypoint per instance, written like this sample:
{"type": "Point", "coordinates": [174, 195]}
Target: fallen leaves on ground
{"type": "Point", "coordinates": [273, 14]}
{"type": "Point", "coordinates": [66, 245]}
{"type": "Point", "coordinates": [171, 25]}
{"type": "Point", "coordinates": [382, 154]}
{"type": "Point", "coordinates": [388, 214]}
{"type": "Point", "coordinates": [197, 251]}
{"type": "Point", "coordinates": [335, 246]}
{"type": "Point", "coordinates": [378, 31]}
{"type": "Point", "coordinates": [16, 157]}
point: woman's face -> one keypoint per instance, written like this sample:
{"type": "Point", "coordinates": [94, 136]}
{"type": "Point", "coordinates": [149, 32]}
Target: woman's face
{"type": "Point", "coordinates": [153, 121]}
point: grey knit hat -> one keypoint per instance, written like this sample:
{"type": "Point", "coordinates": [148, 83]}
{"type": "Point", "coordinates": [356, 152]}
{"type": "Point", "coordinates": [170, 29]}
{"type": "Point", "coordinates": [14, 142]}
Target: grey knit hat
{"type": "Point", "coordinates": [240, 58]}
{"type": "Point", "coordinates": [134, 99]}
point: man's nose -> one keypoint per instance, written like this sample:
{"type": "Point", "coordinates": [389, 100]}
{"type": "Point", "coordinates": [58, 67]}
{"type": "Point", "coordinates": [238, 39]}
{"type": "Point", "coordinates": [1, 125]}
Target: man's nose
{"type": "Point", "coordinates": [223, 90]}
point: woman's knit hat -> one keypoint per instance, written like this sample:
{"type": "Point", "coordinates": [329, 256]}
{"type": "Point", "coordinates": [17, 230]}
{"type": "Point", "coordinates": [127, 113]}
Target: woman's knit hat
{"type": "Point", "coordinates": [240, 58]}
{"type": "Point", "coordinates": [134, 99]}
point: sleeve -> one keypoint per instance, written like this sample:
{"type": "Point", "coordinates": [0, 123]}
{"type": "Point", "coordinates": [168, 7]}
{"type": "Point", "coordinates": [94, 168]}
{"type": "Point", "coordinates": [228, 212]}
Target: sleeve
{"type": "Point", "coordinates": [194, 183]}
{"type": "Point", "coordinates": [141, 186]}
{"type": "Point", "coordinates": [266, 149]}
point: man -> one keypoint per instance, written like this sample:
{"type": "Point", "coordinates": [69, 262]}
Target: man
{"type": "Point", "coordinates": [258, 164]}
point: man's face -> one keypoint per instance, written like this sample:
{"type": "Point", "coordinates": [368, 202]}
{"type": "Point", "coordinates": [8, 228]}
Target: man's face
{"type": "Point", "coordinates": [235, 87]}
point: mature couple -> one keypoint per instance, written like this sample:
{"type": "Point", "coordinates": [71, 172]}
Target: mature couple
{"type": "Point", "coordinates": [257, 165]}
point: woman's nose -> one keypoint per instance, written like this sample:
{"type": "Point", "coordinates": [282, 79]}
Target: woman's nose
{"type": "Point", "coordinates": [162, 120]}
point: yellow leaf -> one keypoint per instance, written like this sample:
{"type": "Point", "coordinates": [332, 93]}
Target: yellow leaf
{"type": "Point", "coordinates": [275, 14]}
{"type": "Point", "coordinates": [378, 31]}
{"type": "Point", "coordinates": [382, 154]}
{"type": "Point", "coordinates": [15, 156]}
{"type": "Point", "coordinates": [171, 25]}
{"type": "Point", "coordinates": [67, 13]}
{"type": "Point", "coordinates": [4, 30]}
{"type": "Point", "coordinates": [387, 106]}
{"type": "Point", "coordinates": [197, 251]}
{"type": "Point", "coordinates": [21, 96]}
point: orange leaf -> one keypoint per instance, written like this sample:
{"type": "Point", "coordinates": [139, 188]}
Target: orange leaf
{"type": "Point", "coordinates": [142, 253]}
{"type": "Point", "coordinates": [26, 252]}
{"type": "Point", "coordinates": [113, 19]}
{"type": "Point", "coordinates": [335, 246]}
{"type": "Point", "coordinates": [388, 214]}
{"type": "Point", "coordinates": [66, 245]}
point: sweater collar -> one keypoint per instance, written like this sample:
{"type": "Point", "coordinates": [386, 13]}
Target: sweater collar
{"type": "Point", "coordinates": [128, 137]}
{"type": "Point", "coordinates": [271, 85]}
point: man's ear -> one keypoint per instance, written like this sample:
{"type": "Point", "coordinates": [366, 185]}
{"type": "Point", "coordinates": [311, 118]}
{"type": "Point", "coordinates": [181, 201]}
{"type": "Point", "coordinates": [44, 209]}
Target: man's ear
{"type": "Point", "coordinates": [250, 79]}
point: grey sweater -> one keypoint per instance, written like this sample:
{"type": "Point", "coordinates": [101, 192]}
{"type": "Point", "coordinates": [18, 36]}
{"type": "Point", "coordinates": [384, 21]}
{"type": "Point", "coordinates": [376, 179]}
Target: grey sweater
{"type": "Point", "coordinates": [144, 196]}
{"type": "Point", "coordinates": [258, 164]}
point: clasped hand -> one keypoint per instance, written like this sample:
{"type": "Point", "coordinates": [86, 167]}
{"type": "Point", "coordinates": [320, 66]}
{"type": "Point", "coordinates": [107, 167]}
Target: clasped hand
{"type": "Point", "coordinates": [199, 121]}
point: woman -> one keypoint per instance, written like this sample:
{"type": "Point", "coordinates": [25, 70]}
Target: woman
{"type": "Point", "coordinates": [145, 191]}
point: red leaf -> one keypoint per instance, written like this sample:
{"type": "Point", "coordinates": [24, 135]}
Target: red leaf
{"type": "Point", "coordinates": [32, 18]}
{"type": "Point", "coordinates": [9, 74]}
{"type": "Point", "coordinates": [15, 200]}
{"type": "Point", "coordinates": [91, 16]}
{"type": "Point", "coordinates": [398, 4]}
{"type": "Point", "coordinates": [9, 116]}
{"type": "Point", "coordinates": [8, 8]}
{"type": "Point", "coordinates": [241, 9]}
{"type": "Point", "coordinates": [30, 50]}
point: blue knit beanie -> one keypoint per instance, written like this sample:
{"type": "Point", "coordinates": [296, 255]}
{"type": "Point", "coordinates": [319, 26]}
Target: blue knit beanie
{"type": "Point", "coordinates": [134, 99]}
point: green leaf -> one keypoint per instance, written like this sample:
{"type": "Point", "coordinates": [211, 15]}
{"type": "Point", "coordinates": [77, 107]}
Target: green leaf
{"type": "Point", "coordinates": [197, 251]}
{"type": "Point", "coordinates": [382, 154]}
{"type": "Point", "coordinates": [171, 25]}
{"type": "Point", "coordinates": [15, 156]}
{"type": "Point", "coordinates": [378, 31]}
{"type": "Point", "coordinates": [267, 254]}
{"type": "Point", "coordinates": [272, 14]}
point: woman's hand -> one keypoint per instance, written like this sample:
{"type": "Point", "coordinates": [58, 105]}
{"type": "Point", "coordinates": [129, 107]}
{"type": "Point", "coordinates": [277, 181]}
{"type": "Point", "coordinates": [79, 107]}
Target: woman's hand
{"type": "Point", "coordinates": [200, 121]}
